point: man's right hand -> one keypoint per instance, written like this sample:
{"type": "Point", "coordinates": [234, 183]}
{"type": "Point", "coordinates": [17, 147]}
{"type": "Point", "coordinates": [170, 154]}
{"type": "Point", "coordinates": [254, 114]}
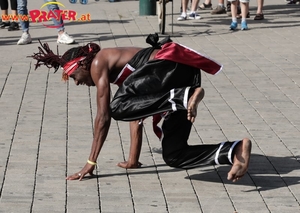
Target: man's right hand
{"type": "Point", "coordinates": [87, 169]}
{"type": "Point", "coordinates": [128, 165]}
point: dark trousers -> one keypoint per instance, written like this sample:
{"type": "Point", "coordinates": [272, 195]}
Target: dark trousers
{"type": "Point", "coordinates": [4, 4]}
{"type": "Point", "coordinates": [176, 151]}
{"type": "Point", "coordinates": [161, 86]}
{"type": "Point", "coordinates": [156, 87]}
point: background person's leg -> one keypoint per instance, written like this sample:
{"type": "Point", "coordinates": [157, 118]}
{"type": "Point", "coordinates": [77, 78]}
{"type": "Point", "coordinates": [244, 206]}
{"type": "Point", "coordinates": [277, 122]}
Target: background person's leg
{"type": "Point", "coordinates": [14, 25]}
{"type": "Point", "coordinates": [4, 12]}
{"type": "Point", "coordinates": [63, 37]}
{"type": "Point", "coordinates": [57, 22]}
{"type": "Point", "coordinates": [24, 22]}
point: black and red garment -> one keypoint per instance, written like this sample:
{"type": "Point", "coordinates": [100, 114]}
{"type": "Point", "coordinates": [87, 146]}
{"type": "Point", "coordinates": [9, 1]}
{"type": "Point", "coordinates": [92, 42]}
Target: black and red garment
{"type": "Point", "coordinates": [161, 88]}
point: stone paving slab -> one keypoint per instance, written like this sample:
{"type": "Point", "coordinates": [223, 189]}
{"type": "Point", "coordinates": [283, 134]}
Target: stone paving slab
{"type": "Point", "coordinates": [46, 125]}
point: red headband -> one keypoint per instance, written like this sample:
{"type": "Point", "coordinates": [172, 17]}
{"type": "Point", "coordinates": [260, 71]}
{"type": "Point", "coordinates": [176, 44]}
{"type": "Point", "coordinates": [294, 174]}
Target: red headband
{"type": "Point", "coordinates": [71, 66]}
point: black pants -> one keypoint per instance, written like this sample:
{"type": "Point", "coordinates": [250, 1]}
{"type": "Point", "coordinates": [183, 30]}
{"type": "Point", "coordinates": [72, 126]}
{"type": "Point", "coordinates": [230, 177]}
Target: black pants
{"type": "Point", "coordinates": [164, 86]}
{"type": "Point", "coordinates": [4, 4]}
{"type": "Point", "coordinates": [156, 87]}
{"type": "Point", "coordinates": [177, 153]}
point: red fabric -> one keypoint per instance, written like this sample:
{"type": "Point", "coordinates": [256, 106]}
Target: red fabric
{"type": "Point", "coordinates": [184, 55]}
{"type": "Point", "coordinates": [71, 66]}
{"type": "Point", "coordinates": [124, 74]}
{"type": "Point", "coordinates": [156, 129]}
{"type": "Point", "coordinates": [180, 54]}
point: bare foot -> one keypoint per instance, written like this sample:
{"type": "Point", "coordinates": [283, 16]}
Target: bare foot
{"type": "Point", "coordinates": [241, 160]}
{"type": "Point", "coordinates": [193, 103]}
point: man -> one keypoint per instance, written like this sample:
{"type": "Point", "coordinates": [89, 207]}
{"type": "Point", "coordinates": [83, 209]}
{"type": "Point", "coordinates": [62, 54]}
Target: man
{"type": "Point", "coordinates": [160, 81]}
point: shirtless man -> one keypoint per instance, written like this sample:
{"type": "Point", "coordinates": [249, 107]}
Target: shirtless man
{"type": "Point", "coordinates": [163, 81]}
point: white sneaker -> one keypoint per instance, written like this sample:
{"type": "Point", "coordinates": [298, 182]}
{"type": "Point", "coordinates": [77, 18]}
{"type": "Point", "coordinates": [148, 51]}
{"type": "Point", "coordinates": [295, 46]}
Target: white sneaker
{"type": "Point", "coordinates": [181, 18]}
{"type": "Point", "coordinates": [194, 16]}
{"type": "Point", "coordinates": [25, 39]}
{"type": "Point", "coordinates": [65, 39]}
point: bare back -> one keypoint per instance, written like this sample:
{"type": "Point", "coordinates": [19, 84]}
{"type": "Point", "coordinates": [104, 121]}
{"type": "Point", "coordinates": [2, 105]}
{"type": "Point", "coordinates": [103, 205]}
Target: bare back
{"type": "Point", "coordinates": [112, 60]}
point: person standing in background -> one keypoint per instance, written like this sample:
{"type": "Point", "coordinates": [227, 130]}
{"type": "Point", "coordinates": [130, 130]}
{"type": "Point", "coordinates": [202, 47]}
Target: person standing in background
{"type": "Point", "coordinates": [63, 37]}
{"type": "Point", "coordinates": [13, 25]}
{"type": "Point", "coordinates": [193, 14]}
{"type": "Point", "coordinates": [244, 9]}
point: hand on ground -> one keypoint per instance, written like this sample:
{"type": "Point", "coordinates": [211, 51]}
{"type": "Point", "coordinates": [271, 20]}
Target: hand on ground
{"type": "Point", "coordinates": [127, 165]}
{"type": "Point", "coordinates": [87, 169]}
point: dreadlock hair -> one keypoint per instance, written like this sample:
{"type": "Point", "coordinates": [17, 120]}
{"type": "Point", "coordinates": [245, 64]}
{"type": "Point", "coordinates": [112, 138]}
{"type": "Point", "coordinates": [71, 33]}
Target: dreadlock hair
{"type": "Point", "coordinates": [46, 57]}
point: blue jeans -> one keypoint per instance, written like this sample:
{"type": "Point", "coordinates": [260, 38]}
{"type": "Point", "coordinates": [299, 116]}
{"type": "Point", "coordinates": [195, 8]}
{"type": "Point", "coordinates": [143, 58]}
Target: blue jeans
{"type": "Point", "coordinates": [55, 21]}
{"type": "Point", "coordinates": [22, 10]}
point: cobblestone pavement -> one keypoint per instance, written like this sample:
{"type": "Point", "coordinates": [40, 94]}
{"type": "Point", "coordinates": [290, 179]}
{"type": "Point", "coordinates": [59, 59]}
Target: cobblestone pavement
{"type": "Point", "coordinates": [46, 125]}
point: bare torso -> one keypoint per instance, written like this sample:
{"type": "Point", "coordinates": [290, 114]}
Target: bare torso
{"type": "Point", "coordinates": [113, 60]}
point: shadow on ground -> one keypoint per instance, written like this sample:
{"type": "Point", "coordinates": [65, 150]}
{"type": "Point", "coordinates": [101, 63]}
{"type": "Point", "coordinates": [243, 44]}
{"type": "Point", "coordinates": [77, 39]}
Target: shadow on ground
{"type": "Point", "coordinates": [265, 173]}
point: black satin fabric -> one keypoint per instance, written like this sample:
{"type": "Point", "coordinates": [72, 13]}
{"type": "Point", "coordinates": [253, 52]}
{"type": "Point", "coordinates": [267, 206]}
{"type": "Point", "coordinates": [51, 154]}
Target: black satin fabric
{"type": "Point", "coordinates": [146, 91]}
{"type": "Point", "coordinates": [176, 151]}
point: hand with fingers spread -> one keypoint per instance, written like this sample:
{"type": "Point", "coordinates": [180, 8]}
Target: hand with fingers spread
{"type": "Point", "coordinates": [87, 169]}
{"type": "Point", "coordinates": [136, 137]}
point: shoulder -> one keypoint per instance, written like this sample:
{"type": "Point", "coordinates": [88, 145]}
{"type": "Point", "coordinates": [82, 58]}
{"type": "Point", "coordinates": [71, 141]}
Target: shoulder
{"type": "Point", "coordinates": [103, 53]}
{"type": "Point", "coordinates": [116, 55]}
{"type": "Point", "coordinates": [113, 59]}
{"type": "Point", "coordinates": [102, 56]}
{"type": "Point", "coordinates": [107, 54]}
{"type": "Point", "coordinates": [118, 50]}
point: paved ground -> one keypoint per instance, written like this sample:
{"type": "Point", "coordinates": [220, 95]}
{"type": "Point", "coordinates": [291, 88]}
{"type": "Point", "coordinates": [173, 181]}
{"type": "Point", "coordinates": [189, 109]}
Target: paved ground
{"type": "Point", "coordinates": [46, 125]}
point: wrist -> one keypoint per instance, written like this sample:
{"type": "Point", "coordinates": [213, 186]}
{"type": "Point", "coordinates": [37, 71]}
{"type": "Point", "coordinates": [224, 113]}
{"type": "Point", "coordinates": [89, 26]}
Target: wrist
{"type": "Point", "coordinates": [91, 162]}
{"type": "Point", "coordinates": [132, 162]}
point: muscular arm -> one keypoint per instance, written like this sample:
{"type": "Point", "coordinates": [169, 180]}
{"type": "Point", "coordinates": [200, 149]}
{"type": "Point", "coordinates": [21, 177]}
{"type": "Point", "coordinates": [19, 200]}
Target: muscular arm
{"type": "Point", "coordinates": [136, 136]}
{"type": "Point", "coordinates": [102, 121]}
{"type": "Point", "coordinates": [107, 63]}
{"type": "Point", "coordinates": [103, 118]}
